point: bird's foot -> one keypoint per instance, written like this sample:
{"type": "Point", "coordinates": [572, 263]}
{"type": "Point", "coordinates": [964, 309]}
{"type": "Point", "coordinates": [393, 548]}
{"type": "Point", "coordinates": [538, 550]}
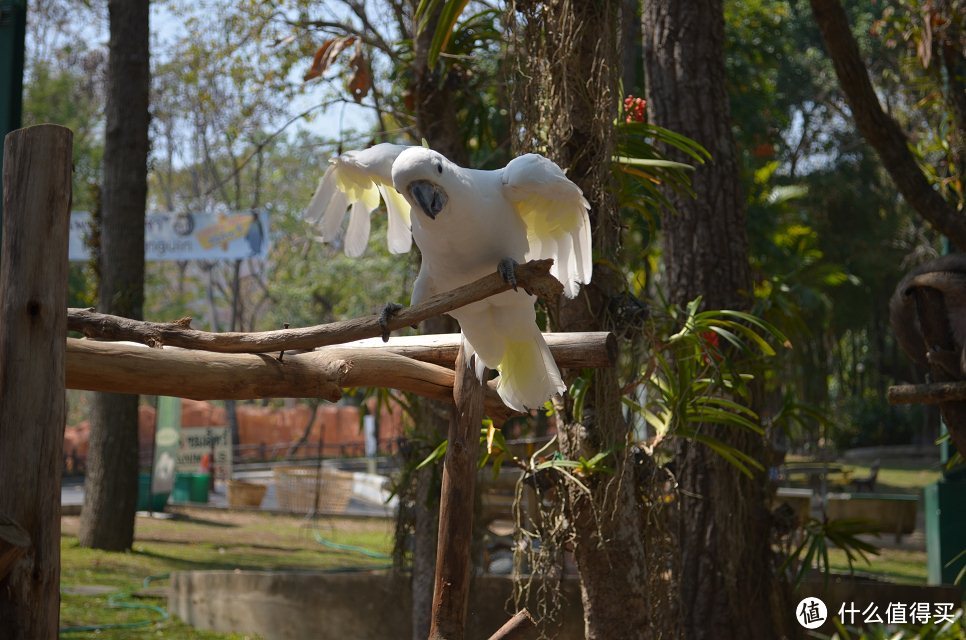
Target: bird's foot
{"type": "Point", "coordinates": [507, 270]}
{"type": "Point", "coordinates": [388, 312]}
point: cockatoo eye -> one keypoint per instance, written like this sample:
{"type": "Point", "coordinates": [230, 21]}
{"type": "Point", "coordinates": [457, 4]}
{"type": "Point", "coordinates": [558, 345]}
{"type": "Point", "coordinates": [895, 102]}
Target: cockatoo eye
{"type": "Point", "coordinates": [439, 168]}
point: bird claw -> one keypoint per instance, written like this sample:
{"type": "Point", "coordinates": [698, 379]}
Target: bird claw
{"type": "Point", "coordinates": [507, 270]}
{"type": "Point", "coordinates": [388, 312]}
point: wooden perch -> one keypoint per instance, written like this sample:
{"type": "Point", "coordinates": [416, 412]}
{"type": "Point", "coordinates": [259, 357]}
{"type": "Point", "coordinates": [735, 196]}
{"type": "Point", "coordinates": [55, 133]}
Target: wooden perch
{"type": "Point", "coordinates": [119, 367]}
{"type": "Point", "coordinates": [534, 275]}
{"type": "Point", "coordinates": [403, 363]}
{"type": "Point", "coordinates": [452, 585]}
{"type": "Point", "coordinates": [933, 393]}
{"type": "Point", "coordinates": [516, 627]}
{"type": "Point", "coordinates": [595, 350]}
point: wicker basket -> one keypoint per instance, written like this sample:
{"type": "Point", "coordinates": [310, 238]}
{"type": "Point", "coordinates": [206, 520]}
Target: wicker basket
{"type": "Point", "coordinates": [245, 494]}
{"type": "Point", "coordinates": [295, 489]}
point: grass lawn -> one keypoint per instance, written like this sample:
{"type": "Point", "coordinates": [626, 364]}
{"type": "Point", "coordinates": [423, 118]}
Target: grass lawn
{"type": "Point", "coordinates": [896, 565]}
{"type": "Point", "coordinates": [201, 539]}
{"type": "Point", "coordinates": [895, 476]}
{"type": "Point", "coordinates": [898, 477]}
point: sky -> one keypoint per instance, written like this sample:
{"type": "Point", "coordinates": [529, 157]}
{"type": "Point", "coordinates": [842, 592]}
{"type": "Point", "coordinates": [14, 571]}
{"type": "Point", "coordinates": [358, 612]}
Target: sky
{"type": "Point", "coordinates": [165, 26]}
{"type": "Point", "coordinates": [49, 20]}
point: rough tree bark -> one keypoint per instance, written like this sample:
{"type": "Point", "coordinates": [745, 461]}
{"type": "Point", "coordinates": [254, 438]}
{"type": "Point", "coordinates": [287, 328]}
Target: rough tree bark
{"type": "Point", "coordinates": [33, 290]}
{"type": "Point", "coordinates": [569, 98]}
{"type": "Point", "coordinates": [111, 485]}
{"type": "Point", "coordinates": [880, 130]}
{"type": "Point", "coordinates": [725, 580]}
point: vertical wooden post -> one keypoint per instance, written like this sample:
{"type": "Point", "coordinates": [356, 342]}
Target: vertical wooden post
{"type": "Point", "coordinates": [33, 329]}
{"type": "Point", "coordinates": [456, 506]}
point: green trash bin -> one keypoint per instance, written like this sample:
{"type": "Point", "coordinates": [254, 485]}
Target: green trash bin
{"type": "Point", "coordinates": [146, 501]}
{"type": "Point", "coordinates": [200, 483]}
{"type": "Point", "coordinates": [191, 487]}
{"type": "Point", "coordinates": [182, 488]}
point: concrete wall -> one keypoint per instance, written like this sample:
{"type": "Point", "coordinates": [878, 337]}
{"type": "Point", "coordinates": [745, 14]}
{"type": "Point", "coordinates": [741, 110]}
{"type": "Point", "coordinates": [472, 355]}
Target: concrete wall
{"type": "Point", "coordinates": [375, 606]}
{"type": "Point", "coordinates": [890, 513]}
{"type": "Point", "coordinates": [323, 606]}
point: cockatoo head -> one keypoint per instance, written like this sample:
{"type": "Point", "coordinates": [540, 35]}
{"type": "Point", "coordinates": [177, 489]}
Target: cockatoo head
{"type": "Point", "coordinates": [419, 175]}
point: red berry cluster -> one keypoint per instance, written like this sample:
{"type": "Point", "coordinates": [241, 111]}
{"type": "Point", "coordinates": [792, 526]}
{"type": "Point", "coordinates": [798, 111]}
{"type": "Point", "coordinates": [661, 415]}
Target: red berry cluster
{"type": "Point", "coordinates": [634, 108]}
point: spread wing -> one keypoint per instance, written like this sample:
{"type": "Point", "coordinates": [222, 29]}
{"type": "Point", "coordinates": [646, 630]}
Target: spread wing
{"type": "Point", "coordinates": [555, 212]}
{"type": "Point", "coordinates": [356, 180]}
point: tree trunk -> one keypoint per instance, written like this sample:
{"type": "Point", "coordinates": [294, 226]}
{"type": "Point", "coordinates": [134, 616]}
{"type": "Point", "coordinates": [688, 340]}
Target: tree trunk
{"type": "Point", "coordinates": [879, 129]}
{"type": "Point", "coordinates": [110, 500]}
{"type": "Point", "coordinates": [725, 582]}
{"type": "Point", "coordinates": [568, 92]}
{"type": "Point", "coordinates": [33, 292]}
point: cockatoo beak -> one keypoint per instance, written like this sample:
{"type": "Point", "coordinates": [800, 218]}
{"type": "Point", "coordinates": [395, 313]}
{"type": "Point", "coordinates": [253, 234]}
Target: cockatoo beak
{"type": "Point", "coordinates": [430, 197]}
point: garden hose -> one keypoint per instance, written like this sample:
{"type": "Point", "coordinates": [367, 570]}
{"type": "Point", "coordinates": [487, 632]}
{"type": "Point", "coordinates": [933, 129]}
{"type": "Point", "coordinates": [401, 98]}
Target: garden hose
{"type": "Point", "coordinates": [117, 600]}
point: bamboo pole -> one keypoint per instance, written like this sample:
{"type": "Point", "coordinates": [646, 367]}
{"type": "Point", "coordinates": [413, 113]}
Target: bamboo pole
{"type": "Point", "coordinates": [450, 597]}
{"type": "Point", "coordinates": [33, 294]}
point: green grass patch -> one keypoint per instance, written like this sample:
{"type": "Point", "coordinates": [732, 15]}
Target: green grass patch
{"type": "Point", "coordinates": [895, 476]}
{"type": "Point", "coordinates": [202, 540]}
{"type": "Point", "coordinates": [896, 565]}
{"type": "Point", "coordinates": [899, 478]}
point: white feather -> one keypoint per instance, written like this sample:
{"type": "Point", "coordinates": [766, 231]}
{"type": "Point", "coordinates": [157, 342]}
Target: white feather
{"type": "Point", "coordinates": [357, 236]}
{"type": "Point", "coordinates": [333, 216]}
{"type": "Point", "coordinates": [357, 179]}
{"type": "Point", "coordinates": [399, 236]}
{"type": "Point", "coordinates": [555, 212]}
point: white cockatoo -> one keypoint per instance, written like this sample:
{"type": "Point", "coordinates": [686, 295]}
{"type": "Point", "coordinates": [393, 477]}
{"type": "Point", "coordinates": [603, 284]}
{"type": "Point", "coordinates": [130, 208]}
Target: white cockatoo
{"type": "Point", "coordinates": [467, 223]}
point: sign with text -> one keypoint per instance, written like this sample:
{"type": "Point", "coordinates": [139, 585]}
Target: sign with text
{"type": "Point", "coordinates": [187, 236]}
{"type": "Point", "coordinates": [198, 441]}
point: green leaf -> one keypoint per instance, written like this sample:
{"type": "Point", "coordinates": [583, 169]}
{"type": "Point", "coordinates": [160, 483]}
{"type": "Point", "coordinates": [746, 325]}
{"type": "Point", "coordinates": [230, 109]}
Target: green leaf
{"type": "Point", "coordinates": [732, 455]}
{"type": "Point", "coordinates": [449, 14]}
{"type": "Point", "coordinates": [578, 392]}
{"type": "Point", "coordinates": [653, 162]}
{"type": "Point", "coordinates": [437, 454]}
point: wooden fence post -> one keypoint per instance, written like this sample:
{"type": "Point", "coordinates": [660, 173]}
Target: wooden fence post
{"type": "Point", "coordinates": [448, 620]}
{"type": "Point", "coordinates": [33, 328]}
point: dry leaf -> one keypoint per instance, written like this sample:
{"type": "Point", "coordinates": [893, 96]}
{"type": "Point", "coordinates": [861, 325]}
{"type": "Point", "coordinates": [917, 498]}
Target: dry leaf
{"type": "Point", "coordinates": [361, 80]}
{"type": "Point", "coordinates": [326, 55]}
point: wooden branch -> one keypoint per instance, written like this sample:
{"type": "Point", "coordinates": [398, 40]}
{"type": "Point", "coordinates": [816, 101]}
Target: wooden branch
{"type": "Point", "coordinates": [933, 393]}
{"type": "Point", "coordinates": [878, 128]}
{"type": "Point", "coordinates": [593, 349]}
{"type": "Point", "coordinates": [451, 594]}
{"type": "Point", "coordinates": [534, 275]}
{"type": "Point", "coordinates": [516, 627]}
{"type": "Point", "coordinates": [122, 367]}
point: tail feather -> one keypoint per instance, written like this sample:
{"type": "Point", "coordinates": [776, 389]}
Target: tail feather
{"type": "Point", "coordinates": [528, 374]}
{"type": "Point", "coordinates": [473, 360]}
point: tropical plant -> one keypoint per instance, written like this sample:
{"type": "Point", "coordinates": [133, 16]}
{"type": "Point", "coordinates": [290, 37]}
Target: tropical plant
{"type": "Point", "coordinates": [700, 375]}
